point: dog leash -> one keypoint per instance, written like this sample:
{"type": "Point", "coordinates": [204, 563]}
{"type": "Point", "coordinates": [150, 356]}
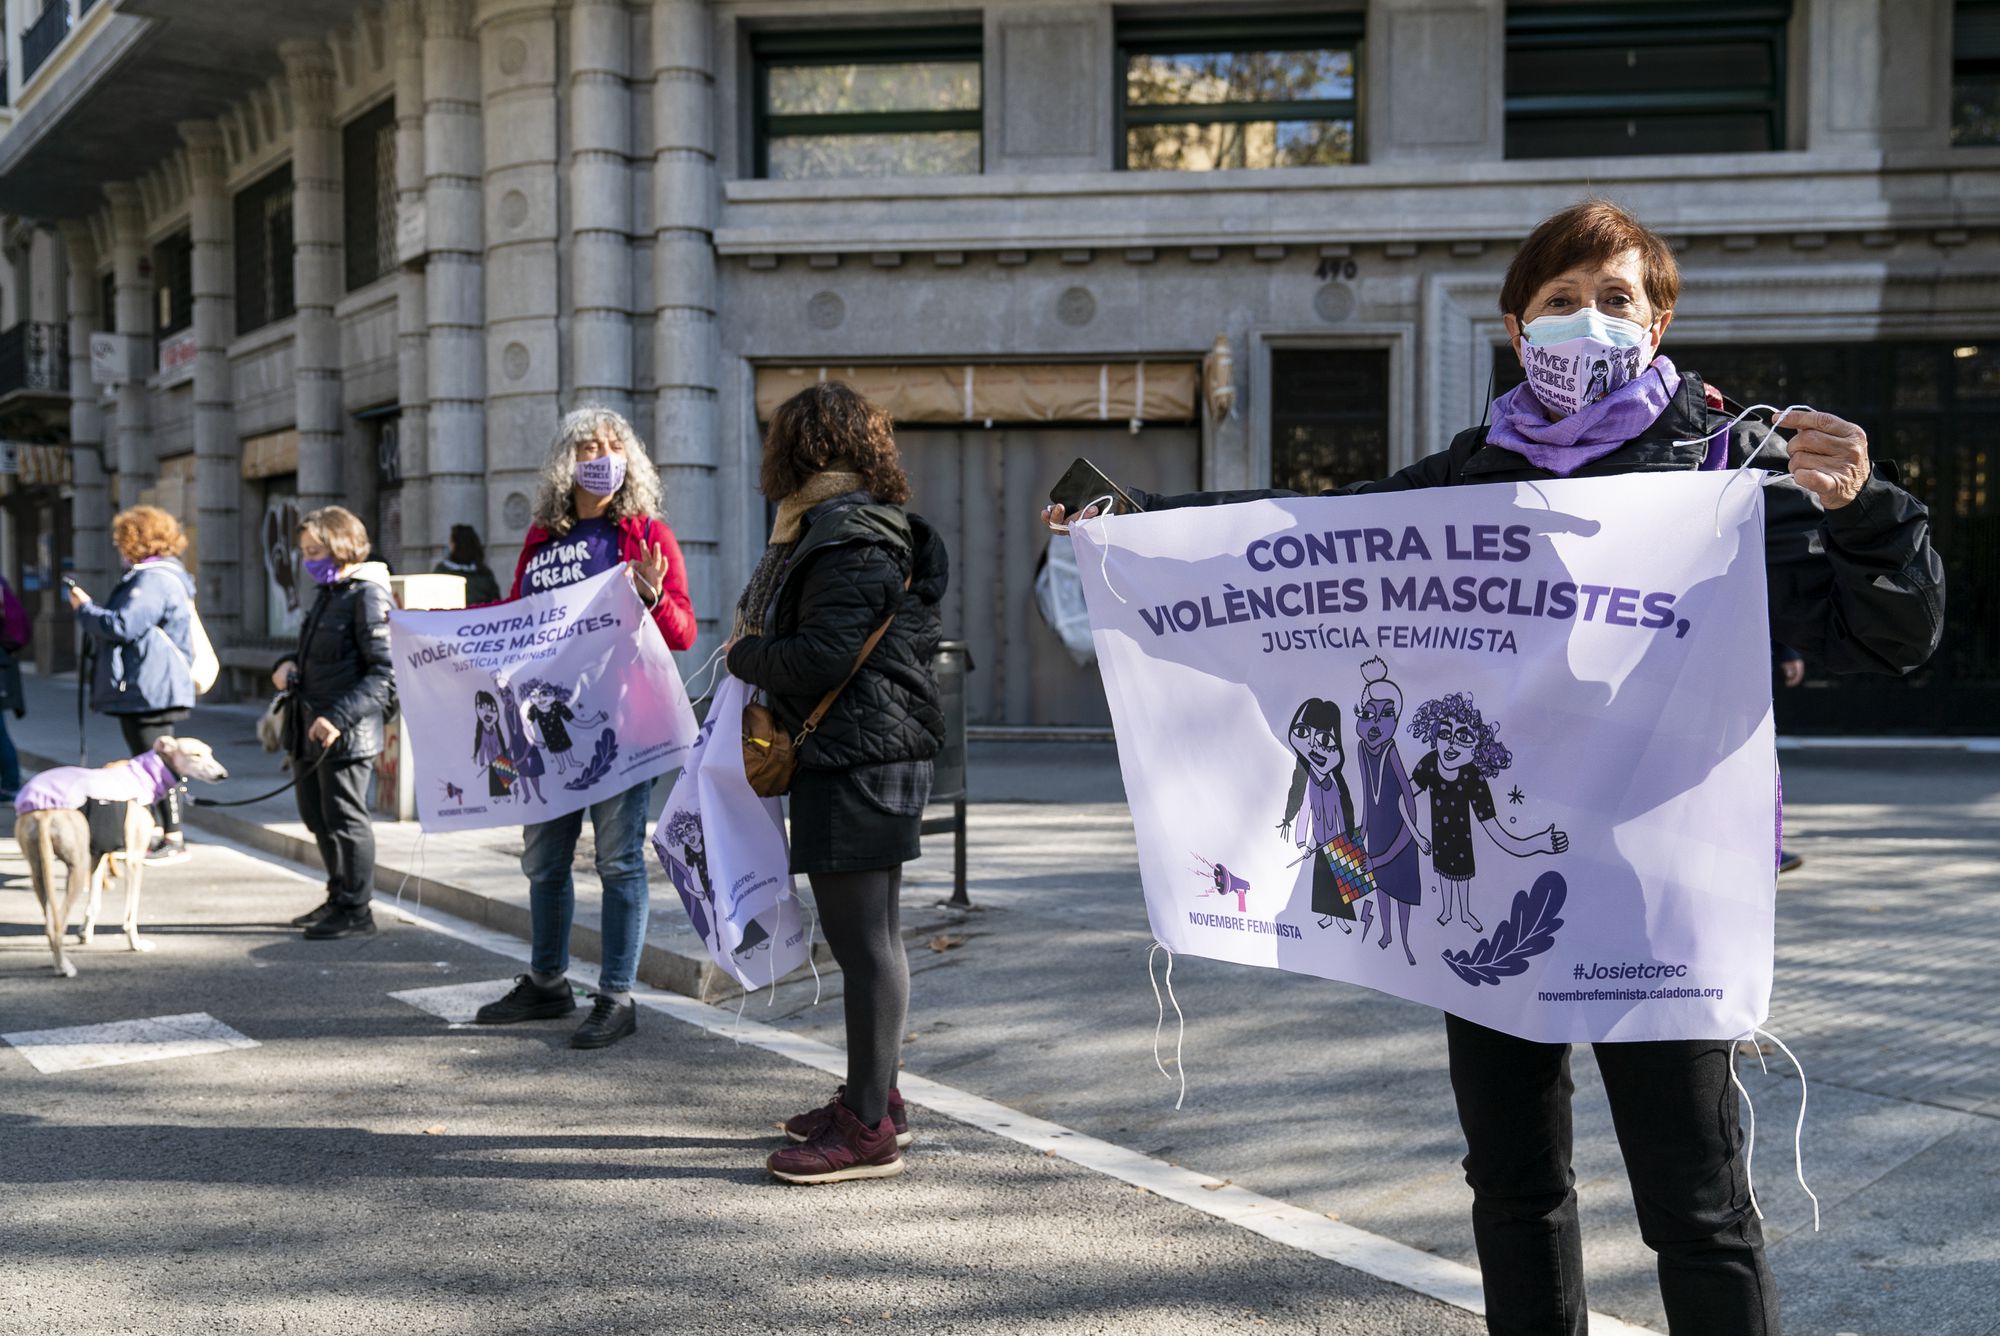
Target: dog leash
{"type": "Point", "coordinates": [245, 802]}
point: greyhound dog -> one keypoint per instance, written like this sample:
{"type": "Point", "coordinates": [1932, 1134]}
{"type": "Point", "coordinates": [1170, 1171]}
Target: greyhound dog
{"type": "Point", "coordinates": [51, 827]}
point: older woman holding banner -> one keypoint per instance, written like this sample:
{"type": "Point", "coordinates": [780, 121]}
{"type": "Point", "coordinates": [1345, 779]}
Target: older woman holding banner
{"type": "Point", "coordinates": [1853, 582]}
{"type": "Point", "coordinates": [597, 507]}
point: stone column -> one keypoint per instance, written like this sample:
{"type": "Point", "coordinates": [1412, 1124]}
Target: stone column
{"type": "Point", "coordinates": [91, 504]}
{"type": "Point", "coordinates": [454, 279]}
{"type": "Point", "coordinates": [216, 466]}
{"type": "Point", "coordinates": [685, 337]}
{"type": "Point", "coordinates": [1437, 72]}
{"type": "Point", "coordinates": [422, 544]}
{"type": "Point", "coordinates": [600, 201]}
{"type": "Point", "coordinates": [132, 315]}
{"type": "Point", "coordinates": [517, 47]}
{"type": "Point", "coordinates": [317, 275]}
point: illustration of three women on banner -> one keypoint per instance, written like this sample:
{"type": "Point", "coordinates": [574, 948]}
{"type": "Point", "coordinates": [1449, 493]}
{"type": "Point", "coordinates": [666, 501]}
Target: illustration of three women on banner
{"type": "Point", "coordinates": [1375, 849]}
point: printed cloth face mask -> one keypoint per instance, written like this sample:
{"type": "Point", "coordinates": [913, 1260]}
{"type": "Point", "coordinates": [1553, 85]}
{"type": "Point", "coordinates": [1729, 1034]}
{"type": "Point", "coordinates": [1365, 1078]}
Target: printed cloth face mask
{"type": "Point", "coordinates": [323, 570]}
{"type": "Point", "coordinates": [1574, 360]}
{"type": "Point", "coordinates": [602, 476]}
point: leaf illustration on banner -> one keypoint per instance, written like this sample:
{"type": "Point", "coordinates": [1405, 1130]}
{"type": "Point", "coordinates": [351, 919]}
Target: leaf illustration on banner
{"type": "Point", "coordinates": [1530, 929]}
{"type": "Point", "coordinates": [600, 761]}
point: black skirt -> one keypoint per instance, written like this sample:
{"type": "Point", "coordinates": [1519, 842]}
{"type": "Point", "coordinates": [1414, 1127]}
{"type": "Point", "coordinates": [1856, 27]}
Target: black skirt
{"type": "Point", "coordinates": [838, 826]}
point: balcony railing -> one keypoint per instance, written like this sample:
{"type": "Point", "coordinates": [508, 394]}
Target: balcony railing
{"type": "Point", "coordinates": [40, 38]}
{"type": "Point", "coordinates": [34, 357]}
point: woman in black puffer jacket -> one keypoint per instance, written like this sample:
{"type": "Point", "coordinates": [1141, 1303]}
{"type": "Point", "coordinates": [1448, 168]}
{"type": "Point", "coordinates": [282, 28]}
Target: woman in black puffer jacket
{"type": "Point", "coordinates": [846, 558]}
{"type": "Point", "coordinates": [341, 681]}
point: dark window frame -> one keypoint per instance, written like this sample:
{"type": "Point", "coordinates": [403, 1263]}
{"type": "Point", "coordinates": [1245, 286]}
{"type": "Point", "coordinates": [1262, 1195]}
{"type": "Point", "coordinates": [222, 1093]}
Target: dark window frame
{"type": "Point", "coordinates": [1654, 24]}
{"type": "Point", "coordinates": [1975, 54]}
{"type": "Point", "coordinates": [947, 44]}
{"type": "Point", "coordinates": [1304, 395]}
{"type": "Point", "coordinates": [264, 276]}
{"type": "Point", "coordinates": [173, 272]}
{"type": "Point", "coordinates": [1342, 30]}
{"type": "Point", "coordinates": [368, 195]}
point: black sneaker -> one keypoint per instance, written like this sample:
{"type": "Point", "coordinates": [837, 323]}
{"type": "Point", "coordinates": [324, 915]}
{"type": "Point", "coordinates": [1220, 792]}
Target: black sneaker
{"type": "Point", "coordinates": [343, 923]}
{"type": "Point", "coordinates": [167, 850]}
{"type": "Point", "coordinates": [608, 1023]}
{"type": "Point", "coordinates": [528, 1001]}
{"type": "Point", "coordinates": [1789, 861]}
{"type": "Point", "coordinates": [314, 915]}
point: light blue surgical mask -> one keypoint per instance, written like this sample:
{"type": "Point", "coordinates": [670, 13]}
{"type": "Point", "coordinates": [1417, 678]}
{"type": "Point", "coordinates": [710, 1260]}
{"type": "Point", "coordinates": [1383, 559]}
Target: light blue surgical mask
{"type": "Point", "coordinates": [1589, 323]}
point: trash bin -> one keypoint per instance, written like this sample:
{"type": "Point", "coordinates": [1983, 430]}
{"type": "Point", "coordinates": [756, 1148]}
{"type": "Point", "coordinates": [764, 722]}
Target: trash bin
{"type": "Point", "coordinates": [950, 665]}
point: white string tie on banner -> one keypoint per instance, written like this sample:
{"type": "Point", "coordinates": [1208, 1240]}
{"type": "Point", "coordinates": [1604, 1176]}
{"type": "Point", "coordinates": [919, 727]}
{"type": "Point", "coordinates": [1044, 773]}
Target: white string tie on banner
{"type": "Point", "coordinates": [1104, 548]}
{"type": "Point", "coordinates": [1180, 1035]}
{"type": "Point", "coordinates": [417, 856]}
{"type": "Point", "coordinates": [1798, 1129]}
{"type": "Point", "coordinates": [1778, 415]}
{"type": "Point", "coordinates": [697, 697]}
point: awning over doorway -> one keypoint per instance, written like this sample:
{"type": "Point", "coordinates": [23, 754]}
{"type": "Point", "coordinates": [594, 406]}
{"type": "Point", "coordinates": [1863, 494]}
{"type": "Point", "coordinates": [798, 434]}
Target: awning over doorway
{"type": "Point", "coordinates": [962, 392]}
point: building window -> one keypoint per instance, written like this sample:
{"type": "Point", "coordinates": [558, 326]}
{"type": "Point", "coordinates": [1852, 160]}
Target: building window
{"type": "Point", "coordinates": [1645, 76]}
{"type": "Point", "coordinates": [1329, 417]}
{"type": "Point", "coordinates": [1202, 94]}
{"type": "Point", "coordinates": [1975, 72]}
{"type": "Point", "coordinates": [264, 251]}
{"type": "Point", "coordinates": [901, 102]}
{"type": "Point", "coordinates": [107, 302]}
{"type": "Point", "coordinates": [173, 285]}
{"type": "Point", "coordinates": [368, 157]}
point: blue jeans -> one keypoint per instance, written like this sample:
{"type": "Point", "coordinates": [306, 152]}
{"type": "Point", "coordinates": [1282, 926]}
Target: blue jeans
{"type": "Point", "coordinates": [10, 760]}
{"type": "Point", "coordinates": [550, 849]}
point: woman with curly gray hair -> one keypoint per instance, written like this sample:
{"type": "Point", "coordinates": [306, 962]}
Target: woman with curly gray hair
{"type": "Point", "coordinates": [597, 507]}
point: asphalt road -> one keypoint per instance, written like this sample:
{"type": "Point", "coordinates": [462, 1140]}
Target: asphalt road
{"type": "Point", "coordinates": [368, 1167]}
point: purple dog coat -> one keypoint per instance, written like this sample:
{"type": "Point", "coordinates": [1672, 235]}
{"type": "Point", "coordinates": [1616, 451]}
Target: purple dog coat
{"type": "Point", "coordinates": [143, 779]}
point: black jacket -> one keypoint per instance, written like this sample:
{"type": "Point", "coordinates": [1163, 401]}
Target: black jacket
{"type": "Point", "coordinates": [843, 580]}
{"type": "Point", "coordinates": [344, 668]}
{"type": "Point", "coordinates": [1857, 590]}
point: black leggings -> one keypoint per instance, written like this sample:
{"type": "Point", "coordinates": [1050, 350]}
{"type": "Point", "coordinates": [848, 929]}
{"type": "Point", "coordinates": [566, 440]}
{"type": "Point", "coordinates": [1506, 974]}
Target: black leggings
{"type": "Point", "coordinates": [140, 730]}
{"type": "Point", "coordinates": [861, 915]}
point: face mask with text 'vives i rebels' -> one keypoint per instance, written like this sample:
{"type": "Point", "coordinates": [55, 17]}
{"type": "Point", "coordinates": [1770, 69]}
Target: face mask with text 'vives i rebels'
{"type": "Point", "coordinates": [1574, 360]}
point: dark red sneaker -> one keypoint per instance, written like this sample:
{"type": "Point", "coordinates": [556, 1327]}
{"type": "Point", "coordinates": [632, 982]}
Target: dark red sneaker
{"type": "Point", "coordinates": [845, 1149]}
{"type": "Point", "coordinates": [803, 1127]}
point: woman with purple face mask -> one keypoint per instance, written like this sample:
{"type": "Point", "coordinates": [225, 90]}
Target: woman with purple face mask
{"type": "Point", "coordinates": [342, 685]}
{"type": "Point", "coordinates": [598, 506]}
{"type": "Point", "coordinates": [1853, 582]}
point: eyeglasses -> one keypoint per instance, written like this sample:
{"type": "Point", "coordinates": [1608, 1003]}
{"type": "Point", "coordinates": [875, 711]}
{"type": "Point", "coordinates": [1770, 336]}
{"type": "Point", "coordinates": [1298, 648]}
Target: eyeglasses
{"type": "Point", "coordinates": [1464, 737]}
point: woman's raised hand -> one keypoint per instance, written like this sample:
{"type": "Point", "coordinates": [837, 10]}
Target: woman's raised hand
{"type": "Point", "coordinates": [651, 568]}
{"type": "Point", "coordinates": [1829, 455]}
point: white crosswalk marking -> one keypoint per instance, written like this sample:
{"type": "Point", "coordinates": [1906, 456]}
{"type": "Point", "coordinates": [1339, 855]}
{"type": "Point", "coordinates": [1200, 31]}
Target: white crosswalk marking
{"type": "Point", "coordinates": [76, 1047]}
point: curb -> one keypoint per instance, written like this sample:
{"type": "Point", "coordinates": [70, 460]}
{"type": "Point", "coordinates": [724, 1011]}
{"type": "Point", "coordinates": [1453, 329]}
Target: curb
{"type": "Point", "coordinates": [660, 967]}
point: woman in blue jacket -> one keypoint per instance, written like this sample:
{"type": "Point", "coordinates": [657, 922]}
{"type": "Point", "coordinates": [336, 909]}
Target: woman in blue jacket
{"type": "Point", "coordinates": [143, 636]}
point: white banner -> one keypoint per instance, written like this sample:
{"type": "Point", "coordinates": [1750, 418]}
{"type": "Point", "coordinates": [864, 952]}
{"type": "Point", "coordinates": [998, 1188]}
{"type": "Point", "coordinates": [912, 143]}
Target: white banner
{"type": "Point", "coordinates": [724, 849]}
{"type": "Point", "coordinates": [1504, 750]}
{"type": "Point", "coordinates": [523, 711]}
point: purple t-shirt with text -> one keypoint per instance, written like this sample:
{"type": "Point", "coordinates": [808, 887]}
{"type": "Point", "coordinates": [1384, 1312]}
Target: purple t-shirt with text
{"type": "Point", "coordinates": [589, 548]}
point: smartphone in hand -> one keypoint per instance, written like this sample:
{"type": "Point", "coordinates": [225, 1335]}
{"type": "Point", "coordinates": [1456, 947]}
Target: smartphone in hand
{"type": "Point", "coordinates": [1084, 484]}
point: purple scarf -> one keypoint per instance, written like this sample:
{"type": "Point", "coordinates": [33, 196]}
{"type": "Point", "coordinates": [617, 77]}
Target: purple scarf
{"type": "Point", "coordinates": [1562, 447]}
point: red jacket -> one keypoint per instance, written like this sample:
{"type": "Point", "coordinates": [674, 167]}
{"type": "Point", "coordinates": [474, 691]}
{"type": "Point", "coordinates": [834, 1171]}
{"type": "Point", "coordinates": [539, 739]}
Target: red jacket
{"type": "Point", "coordinates": [674, 613]}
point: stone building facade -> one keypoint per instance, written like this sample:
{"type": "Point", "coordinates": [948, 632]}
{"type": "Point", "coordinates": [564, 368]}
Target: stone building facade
{"type": "Point", "coordinates": [368, 252]}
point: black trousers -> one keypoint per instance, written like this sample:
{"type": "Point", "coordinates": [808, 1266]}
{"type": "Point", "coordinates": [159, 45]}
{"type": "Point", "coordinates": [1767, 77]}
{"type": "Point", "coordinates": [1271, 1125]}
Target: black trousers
{"type": "Point", "coordinates": [140, 731]}
{"type": "Point", "coordinates": [333, 802]}
{"type": "Point", "coordinates": [1674, 1109]}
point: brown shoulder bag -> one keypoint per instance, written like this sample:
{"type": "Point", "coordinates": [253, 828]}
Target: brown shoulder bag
{"type": "Point", "coordinates": [769, 756]}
